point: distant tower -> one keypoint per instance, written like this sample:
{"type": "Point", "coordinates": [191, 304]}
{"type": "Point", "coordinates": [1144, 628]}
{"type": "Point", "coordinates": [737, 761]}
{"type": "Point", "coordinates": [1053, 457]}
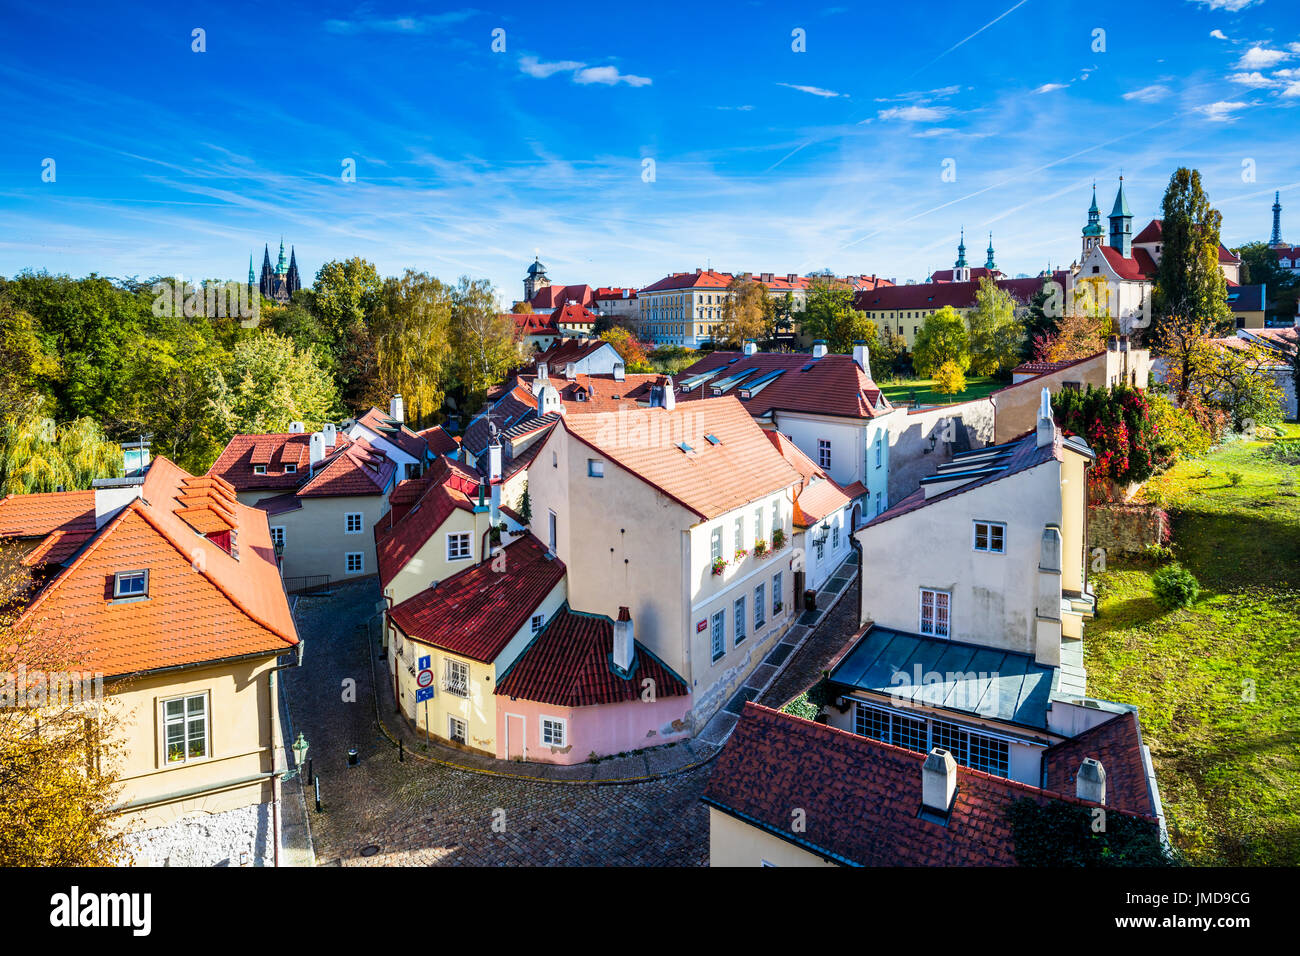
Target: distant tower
{"type": "Point", "coordinates": [1121, 224]}
{"type": "Point", "coordinates": [960, 270]}
{"type": "Point", "coordinates": [252, 278]}
{"type": "Point", "coordinates": [1092, 231]}
{"type": "Point", "coordinates": [989, 263]}
{"type": "Point", "coordinates": [1276, 240]}
{"type": "Point", "coordinates": [279, 283]}
{"type": "Point", "coordinates": [293, 283]}
{"type": "Point", "coordinates": [266, 281]}
{"type": "Point", "coordinates": [536, 279]}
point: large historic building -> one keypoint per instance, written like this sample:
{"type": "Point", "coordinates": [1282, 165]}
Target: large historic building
{"type": "Point", "coordinates": [278, 284]}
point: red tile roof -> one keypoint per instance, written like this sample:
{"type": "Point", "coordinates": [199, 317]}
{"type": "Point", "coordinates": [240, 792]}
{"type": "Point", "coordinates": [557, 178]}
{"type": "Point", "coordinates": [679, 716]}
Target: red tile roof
{"type": "Point", "coordinates": [204, 604]}
{"type": "Point", "coordinates": [1140, 267]}
{"type": "Point", "coordinates": [709, 479]}
{"type": "Point", "coordinates": [605, 293]}
{"type": "Point", "coordinates": [925, 296]}
{"type": "Point", "coordinates": [817, 495]}
{"type": "Point", "coordinates": [570, 664]}
{"type": "Point", "coordinates": [1046, 368]}
{"type": "Point", "coordinates": [831, 385]}
{"type": "Point", "coordinates": [573, 314]}
{"type": "Point", "coordinates": [601, 393]}
{"type": "Point", "coordinates": [945, 275]}
{"type": "Point", "coordinates": [861, 798]}
{"type": "Point", "coordinates": [532, 323]}
{"type": "Point", "coordinates": [401, 533]}
{"type": "Point", "coordinates": [356, 469]}
{"type": "Point", "coordinates": [1153, 232]}
{"type": "Point", "coordinates": [1117, 744]}
{"type": "Point", "coordinates": [475, 613]}
{"type": "Point", "coordinates": [35, 516]}
{"type": "Point", "coordinates": [395, 432]}
{"type": "Point", "coordinates": [438, 441]}
{"type": "Point", "coordinates": [554, 296]}
{"type": "Point", "coordinates": [236, 461]}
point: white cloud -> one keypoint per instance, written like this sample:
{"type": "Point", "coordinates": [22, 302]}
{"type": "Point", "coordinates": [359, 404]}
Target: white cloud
{"type": "Point", "coordinates": [1049, 87]}
{"type": "Point", "coordinates": [420, 24]}
{"type": "Point", "coordinates": [1254, 81]}
{"type": "Point", "coordinates": [1293, 89]}
{"type": "Point", "coordinates": [814, 90]}
{"type": "Point", "coordinates": [916, 114]}
{"type": "Point", "coordinates": [922, 95]}
{"type": "Point", "coordinates": [1148, 94]}
{"type": "Point", "coordinates": [1218, 34]}
{"type": "Point", "coordinates": [534, 67]}
{"type": "Point", "coordinates": [1257, 57]}
{"type": "Point", "coordinates": [1232, 6]}
{"type": "Point", "coordinates": [935, 131]}
{"type": "Point", "coordinates": [1221, 112]}
{"type": "Point", "coordinates": [743, 109]}
{"type": "Point", "coordinates": [609, 76]}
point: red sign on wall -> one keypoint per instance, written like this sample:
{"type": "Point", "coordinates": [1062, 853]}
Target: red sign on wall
{"type": "Point", "coordinates": [701, 626]}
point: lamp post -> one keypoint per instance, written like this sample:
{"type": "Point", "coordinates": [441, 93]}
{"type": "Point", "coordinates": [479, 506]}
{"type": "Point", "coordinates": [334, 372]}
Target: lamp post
{"type": "Point", "coordinates": [300, 751]}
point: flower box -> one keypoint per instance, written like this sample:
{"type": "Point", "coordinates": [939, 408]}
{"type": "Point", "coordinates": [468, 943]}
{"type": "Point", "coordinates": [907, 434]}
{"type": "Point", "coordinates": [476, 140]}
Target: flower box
{"type": "Point", "coordinates": [719, 566]}
{"type": "Point", "coordinates": [760, 548]}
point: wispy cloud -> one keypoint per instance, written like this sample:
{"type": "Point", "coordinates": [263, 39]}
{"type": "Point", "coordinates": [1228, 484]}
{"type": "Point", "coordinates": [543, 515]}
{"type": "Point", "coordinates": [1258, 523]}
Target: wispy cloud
{"type": "Point", "coordinates": [926, 96]}
{"type": "Point", "coordinates": [1254, 80]}
{"type": "Point", "coordinates": [1223, 111]}
{"type": "Point", "coordinates": [814, 90]}
{"type": "Point", "coordinates": [423, 23]}
{"type": "Point", "coordinates": [1232, 6]}
{"type": "Point", "coordinates": [743, 109]}
{"type": "Point", "coordinates": [1148, 94]}
{"type": "Point", "coordinates": [1218, 34]}
{"type": "Point", "coordinates": [582, 74]}
{"type": "Point", "coordinates": [966, 40]}
{"type": "Point", "coordinates": [1050, 87]}
{"type": "Point", "coordinates": [916, 114]}
{"type": "Point", "coordinates": [1259, 57]}
{"type": "Point", "coordinates": [536, 68]}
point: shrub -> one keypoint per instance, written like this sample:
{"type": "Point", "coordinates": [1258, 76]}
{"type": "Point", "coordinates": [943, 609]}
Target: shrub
{"type": "Point", "coordinates": [1178, 433]}
{"type": "Point", "coordinates": [1234, 478]}
{"type": "Point", "coordinates": [1174, 587]}
{"type": "Point", "coordinates": [1117, 424]}
{"type": "Point", "coordinates": [1158, 553]}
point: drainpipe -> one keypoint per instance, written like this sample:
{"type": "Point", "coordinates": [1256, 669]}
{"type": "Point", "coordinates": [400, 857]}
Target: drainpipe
{"type": "Point", "coordinates": [271, 686]}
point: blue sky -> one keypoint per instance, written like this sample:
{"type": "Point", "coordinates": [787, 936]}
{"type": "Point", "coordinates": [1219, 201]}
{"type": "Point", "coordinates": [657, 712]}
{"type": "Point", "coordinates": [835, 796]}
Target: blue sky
{"type": "Point", "coordinates": [468, 160]}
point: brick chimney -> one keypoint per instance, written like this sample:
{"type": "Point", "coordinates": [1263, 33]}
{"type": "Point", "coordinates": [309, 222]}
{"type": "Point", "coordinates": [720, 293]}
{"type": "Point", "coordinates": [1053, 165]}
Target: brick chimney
{"type": "Point", "coordinates": [1090, 782]}
{"type": "Point", "coordinates": [624, 640]}
{"type": "Point", "coordinates": [938, 781]}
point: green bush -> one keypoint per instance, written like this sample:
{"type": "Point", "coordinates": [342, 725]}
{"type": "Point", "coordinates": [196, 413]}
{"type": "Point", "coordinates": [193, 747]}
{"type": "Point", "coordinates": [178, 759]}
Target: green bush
{"type": "Point", "coordinates": [1175, 587]}
{"type": "Point", "coordinates": [1234, 478]}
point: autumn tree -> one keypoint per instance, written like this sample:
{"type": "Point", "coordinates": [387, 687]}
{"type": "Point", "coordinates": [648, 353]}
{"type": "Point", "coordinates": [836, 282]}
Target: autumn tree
{"type": "Point", "coordinates": [948, 378]}
{"type": "Point", "coordinates": [942, 338]}
{"type": "Point", "coordinates": [996, 335]}
{"type": "Point", "coordinates": [37, 455]}
{"type": "Point", "coordinates": [411, 331]}
{"type": "Point", "coordinates": [269, 384]}
{"type": "Point", "coordinates": [745, 313]}
{"type": "Point", "coordinates": [483, 340]}
{"type": "Point", "coordinates": [829, 315]}
{"type": "Point", "coordinates": [1189, 282]}
{"type": "Point", "coordinates": [631, 351]}
{"type": "Point", "coordinates": [1078, 335]}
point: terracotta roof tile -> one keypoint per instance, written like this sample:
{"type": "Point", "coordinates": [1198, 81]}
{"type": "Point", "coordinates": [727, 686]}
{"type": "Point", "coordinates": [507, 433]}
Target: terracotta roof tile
{"type": "Point", "coordinates": [1117, 744]}
{"type": "Point", "coordinates": [831, 385]}
{"type": "Point", "coordinates": [401, 533]}
{"type": "Point", "coordinates": [36, 515]}
{"type": "Point", "coordinates": [235, 463]}
{"type": "Point", "coordinates": [379, 423]}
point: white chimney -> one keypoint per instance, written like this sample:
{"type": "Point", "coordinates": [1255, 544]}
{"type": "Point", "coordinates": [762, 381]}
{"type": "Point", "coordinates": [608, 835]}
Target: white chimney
{"type": "Point", "coordinates": [541, 371]}
{"type": "Point", "coordinates": [1090, 783]}
{"type": "Point", "coordinates": [1046, 430]}
{"type": "Point", "coordinates": [619, 370]}
{"type": "Point", "coordinates": [316, 452]}
{"type": "Point", "coordinates": [624, 641]}
{"type": "Point", "coordinates": [862, 355]}
{"type": "Point", "coordinates": [819, 348]}
{"type": "Point", "coordinates": [670, 397]}
{"type": "Point", "coordinates": [571, 370]}
{"type": "Point", "coordinates": [297, 428]}
{"type": "Point", "coordinates": [548, 401]}
{"type": "Point", "coordinates": [751, 347]}
{"type": "Point", "coordinates": [331, 434]}
{"type": "Point", "coordinates": [938, 781]}
{"type": "Point", "coordinates": [494, 461]}
{"type": "Point", "coordinates": [395, 410]}
{"type": "Point", "coordinates": [114, 494]}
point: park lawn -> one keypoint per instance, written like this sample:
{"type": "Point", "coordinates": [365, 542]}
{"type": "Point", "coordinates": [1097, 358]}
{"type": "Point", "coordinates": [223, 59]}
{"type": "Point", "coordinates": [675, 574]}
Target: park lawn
{"type": "Point", "coordinates": [1217, 685]}
{"type": "Point", "coordinates": [925, 395]}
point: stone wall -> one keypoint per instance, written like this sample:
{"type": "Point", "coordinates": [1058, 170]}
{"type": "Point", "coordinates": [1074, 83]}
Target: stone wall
{"type": "Point", "coordinates": [241, 837]}
{"type": "Point", "coordinates": [1126, 528]}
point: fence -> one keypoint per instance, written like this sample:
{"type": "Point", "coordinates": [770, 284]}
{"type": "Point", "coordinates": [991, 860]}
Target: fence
{"type": "Point", "coordinates": [307, 584]}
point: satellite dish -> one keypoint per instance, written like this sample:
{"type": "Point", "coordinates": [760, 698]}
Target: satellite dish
{"type": "Point", "coordinates": [493, 431]}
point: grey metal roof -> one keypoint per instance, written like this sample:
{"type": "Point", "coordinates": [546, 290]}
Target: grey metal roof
{"type": "Point", "coordinates": [963, 678]}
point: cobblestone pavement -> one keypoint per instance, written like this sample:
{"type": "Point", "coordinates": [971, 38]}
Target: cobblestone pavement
{"type": "Point", "coordinates": [807, 664]}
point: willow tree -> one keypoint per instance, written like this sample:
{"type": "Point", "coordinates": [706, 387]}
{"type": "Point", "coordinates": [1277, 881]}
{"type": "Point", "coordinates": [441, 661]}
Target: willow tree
{"type": "Point", "coordinates": [412, 335]}
{"type": "Point", "coordinates": [38, 455]}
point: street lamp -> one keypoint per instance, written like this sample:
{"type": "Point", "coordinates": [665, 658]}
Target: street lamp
{"type": "Point", "coordinates": [300, 750]}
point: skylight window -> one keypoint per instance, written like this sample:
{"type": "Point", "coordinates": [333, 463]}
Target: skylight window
{"type": "Point", "coordinates": [686, 448]}
{"type": "Point", "coordinates": [131, 584]}
{"type": "Point", "coordinates": [714, 439]}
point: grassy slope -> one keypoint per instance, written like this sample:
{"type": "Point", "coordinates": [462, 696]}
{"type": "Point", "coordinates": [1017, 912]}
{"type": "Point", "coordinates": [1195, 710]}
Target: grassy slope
{"type": "Point", "coordinates": [902, 391]}
{"type": "Point", "coordinates": [1228, 768]}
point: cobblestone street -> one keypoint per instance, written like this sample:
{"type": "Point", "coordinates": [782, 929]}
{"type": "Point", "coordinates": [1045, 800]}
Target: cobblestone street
{"type": "Point", "coordinates": [386, 812]}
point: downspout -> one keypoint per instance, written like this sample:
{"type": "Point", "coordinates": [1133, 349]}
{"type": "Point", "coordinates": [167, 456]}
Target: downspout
{"type": "Point", "coordinates": [272, 684]}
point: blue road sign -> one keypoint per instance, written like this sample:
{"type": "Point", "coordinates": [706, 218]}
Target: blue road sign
{"type": "Point", "coordinates": [425, 662]}
{"type": "Point", "coordinates": [423, 693]}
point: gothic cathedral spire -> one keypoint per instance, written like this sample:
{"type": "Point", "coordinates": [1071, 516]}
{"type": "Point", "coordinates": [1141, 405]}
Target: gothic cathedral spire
{"type": "Point", "coordinates": [1121, 224]}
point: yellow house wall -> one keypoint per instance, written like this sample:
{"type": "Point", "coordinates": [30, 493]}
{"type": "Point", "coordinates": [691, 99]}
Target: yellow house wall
{"type": "Point", "coordinates": [733, 842]}
{"type": "Point", "coordinates": [430, 564]}
{"type": "Point", "coordinates": [315, 541]}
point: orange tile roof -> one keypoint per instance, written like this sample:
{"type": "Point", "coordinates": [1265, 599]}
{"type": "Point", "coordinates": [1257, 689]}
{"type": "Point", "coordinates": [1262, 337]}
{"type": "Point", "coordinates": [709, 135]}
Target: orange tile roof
{"type": "Point", "coordinates": [817, 495]}
{"type": "Point", "coordinates": [35, 516]}
{"type": "Point", "coordinates": [204, 604]}
{"type": "Point", "coordinates": [710, 479]}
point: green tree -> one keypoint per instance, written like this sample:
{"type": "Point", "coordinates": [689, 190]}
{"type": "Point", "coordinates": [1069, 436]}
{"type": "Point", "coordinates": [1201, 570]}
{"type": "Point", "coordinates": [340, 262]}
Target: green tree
{"type": "Point", "coordinates": [412, 335]}
{"type": "Point", "coordinates": [269, 384]}
{"type": "Point", "coordinates": [996, 335]}
{"type": "Point", "coordinates": [1038, 320]}
{"type": "Point", "coordinates": [942, 338]}
{"type": "Point", "coordinates": [483, 340]}
{"type": "Point", "coordinates": [345, 295]}
{"type": "Point", "coordinates": [1188, 279]}
{"type": "Point", "coordinates": [829, 314]}
{"type": "Point", "coordinates": [37, 455]}
{"type": "Point", "coordinates": [887, 352]}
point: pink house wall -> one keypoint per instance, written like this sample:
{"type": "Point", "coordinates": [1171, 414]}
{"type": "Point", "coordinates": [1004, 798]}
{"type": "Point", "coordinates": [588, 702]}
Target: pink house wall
{"type": "Point", "coordinates": [605, 729]}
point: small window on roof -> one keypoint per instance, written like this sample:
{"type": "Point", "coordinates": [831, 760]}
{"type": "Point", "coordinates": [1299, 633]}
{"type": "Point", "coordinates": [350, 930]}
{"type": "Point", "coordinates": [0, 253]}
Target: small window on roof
{"type": "Point", "coordinates": [290, 468]}
{"type": "Point", "coordinates": [259, 469]}
{"type": "Point", "coordinates": [131, 584]}
{"type": "Point", "coordinates": [686, 448]}
{"type": "Point", "coordinates": [713, 439]}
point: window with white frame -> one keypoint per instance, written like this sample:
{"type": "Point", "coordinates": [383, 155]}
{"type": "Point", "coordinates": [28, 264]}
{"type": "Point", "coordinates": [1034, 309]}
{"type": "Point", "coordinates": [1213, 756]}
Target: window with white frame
{"type": "Point", "coordinates": [835, 534]}
{"type": "Point", "coordinates": [553, 732]}
{"type": "Point", "coordinates": [738, 614]}
{"type": "Point", "coordinates": [259, 469]}
{"type": "Point", "coordinates": [185, 728]}
{"type": "Point", "coordinates": [968, 747]}
{"type": "Point", "coordinates": [595, 468]}
{"type": "Point", "coordinates": [354, 562]}
{"type": "Point", "coordinates": [455, 677]}
{"type": "Point", "coordinates": [776, 515]}
{"type": "Point", "coordinates": [353, 522]}
{"type": "Point", "coordinates": [457, 730]}
{"type": "Point", "coordinates": [879, 505]}
{"type": "Point", "coordinates": [880, 448]}
{"type": "Point", "coordinates": [990, 536]}
{"type": "Point", "coordinates": [760, 606]}
{"type": "Point", "coordinates": [539, 622]}
{"type": "Point", "coordinates": [131, 584]}
{"type": "Point", "coordinates": [551, 531]}
{"type": "Point", "coordinates": [935, 612]}
{"type": "Point", "coordinates": [715, 544]}
{"type": "Point", "coordinates": [290, 468]}
{"type": "Point", "coordinates": [718, 636]}
{"type": "Point", "coordinates": [740, 533]}
{"type": "Point", "coordinates": [823, 453]}
{"type": "Point", "coordinates": [459, 546]}
{"type": "Point", "coordinates": [776, 593]}
{"type": "Point", "coordinates": [277, 536]}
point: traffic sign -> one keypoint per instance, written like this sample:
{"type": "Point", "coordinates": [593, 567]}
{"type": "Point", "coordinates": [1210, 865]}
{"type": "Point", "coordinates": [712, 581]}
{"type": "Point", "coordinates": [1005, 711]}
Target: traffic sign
{"type": "Point", "coordinates": [424, 679]}
{"type": "Point", "coordinates": [425, 662]}
{"type": "Point", "coordinates": [423, 693]}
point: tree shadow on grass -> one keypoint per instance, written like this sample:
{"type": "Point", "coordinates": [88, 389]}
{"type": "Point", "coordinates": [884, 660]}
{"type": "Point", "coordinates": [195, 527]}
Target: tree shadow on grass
{"type": "Point", "coordinates": [1229, 551]}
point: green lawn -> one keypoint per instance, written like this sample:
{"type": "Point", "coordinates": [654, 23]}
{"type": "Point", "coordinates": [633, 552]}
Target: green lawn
{"type": "Point", "coordinates": [1218, 684]}
{"type": "Point", "coordinates": [925, 394]}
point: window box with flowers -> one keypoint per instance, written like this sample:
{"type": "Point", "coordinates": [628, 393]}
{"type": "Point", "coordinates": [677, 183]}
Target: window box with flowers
{"type": "Point", "coordinates": [719, 565]}
{"type": "Point", "coordinates": [760, 548]}
{"type": "Point", "coordinates": [778, 539]}
{"type": "Point", "coordinates": [740, 553]}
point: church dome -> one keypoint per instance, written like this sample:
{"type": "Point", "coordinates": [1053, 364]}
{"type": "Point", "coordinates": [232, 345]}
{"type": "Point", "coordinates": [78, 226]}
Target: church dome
{"type": "Point", "coordinates": [537, 269]}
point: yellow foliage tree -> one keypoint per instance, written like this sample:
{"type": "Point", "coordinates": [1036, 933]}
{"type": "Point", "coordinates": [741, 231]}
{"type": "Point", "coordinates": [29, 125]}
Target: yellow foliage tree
{"type": "Point", "coordinates": [949, 379]}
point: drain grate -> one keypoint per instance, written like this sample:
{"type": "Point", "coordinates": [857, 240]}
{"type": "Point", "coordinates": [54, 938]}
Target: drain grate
{"type": "Point", "coordinates": [369, 850]}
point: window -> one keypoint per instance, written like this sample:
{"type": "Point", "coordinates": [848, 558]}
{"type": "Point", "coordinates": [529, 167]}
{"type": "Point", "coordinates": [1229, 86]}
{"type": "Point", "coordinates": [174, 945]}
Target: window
{"type": "Point", "coordinates": [539, 622]}
{"type": "Point", "coordinates": [550, 530]}
{"type": "Point", "coordinates": [131, 584]}
{"type": "Point", "coordinates": [715, 544]}
{"type": "Point", "coordinates": [352, 522]}
{"type": "Point", "coordinates": [891, 727]}
{"type": "Point", "coordinates": [776, 593]}
{"type": "Point", "coordinates": [740, 617]}
{"type": "Point", "coordinates": [718, 637]}
{"type": "Point", "coordinates": [457, 731]}
{"type": "Point", "coordinates": [990, 536]}
{"type": "Point", "coordinates": [354, 562]}
{"type": "Point", "coordinates": [934, 612]}
{"type": "Point", "coordinates": [880, 448]}
{"type": "Point", "coordinates": [879, 505]}
{"type": "Point", "coordinates": [968, 747]}
{"type": "Point", "coordinates": [820, 544]}
{"type": "Point", "coordinates": [835, 535]}
{"type": "Point", "coordinates": [758, 524]}
{"type": "Point", "coordinates": [823, 453]}
{"type": "Point", "coordinates": [555, 460]}
{"type": "Point", "coordinates": [458, 546]}
{"type": "Point", "coordinates": [455, 677]}
{"type": "Point", "coordinates": [259, 469]}
{"type": "Point", "coordinates": [760, 606]}
{"type": "Point", "coordinates": [740, 534]}
{"type": "Point", "coordinates": [185, 728]}
{"type": "Point", "coordinates": [290, 468]}
{"type": "Point", "coordinates": [553, 732]}
{"type": "Point", "coordinates": [595, 468]}
{"type": "Point", "coordinates": [776, 515]}
{"type": "Point", "coordinates": [277, 536]}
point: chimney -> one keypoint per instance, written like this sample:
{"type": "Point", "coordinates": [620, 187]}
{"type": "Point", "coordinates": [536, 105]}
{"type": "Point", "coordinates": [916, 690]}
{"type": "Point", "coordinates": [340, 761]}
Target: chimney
{"type": "Point", "coordinates": [619, 371]}
{"type": "Point", "coordinates": [624, 646]}
{"type": "Point", "coordinates": [494, 461]}
{"type": "Point", "coordinates": [1090, 783]}
{"type": "Point", "coordinates": [114, 494]}
{"type": "Point", "coordinates": [548, 401]}
{"type": "Point", "coordinates": [395, 408]}
{"type": "Point", "coordinates": [765, 278]}
{"type": "Point", "coordinates": [1046, 429]}
{"type": "Point", "coordinates": [331, 434]}
{"type": "Point", "coordinates": [938, 781]}
{"type": "Point", "coordinates": [1112, 343]}
{"type": "Point", "coordinates": [541, 371]}
{"type": "Point", "coordinates": [698, 271]}
{"type": "Point", "coordinates": [751, 347]}
{"type": "Point", "coordinates": [571, 370]}
{"type": "Point", "coordinates": [819, 348]}
{"type": "Point", "coordinates": [791, 277]}
{"type": "Point", "coordinates": [316, 452]}
{"type": "Point", "coordinates": [862, 355]}
{"type": "Point", "coordinates": [297, 428]}
{"type": "Point", "coordinates": [670, 398]}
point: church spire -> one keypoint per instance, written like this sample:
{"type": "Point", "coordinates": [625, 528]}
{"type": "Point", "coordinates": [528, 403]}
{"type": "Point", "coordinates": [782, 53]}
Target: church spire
{"type": "Point", "coordinates": [251, 280]}
{"type": "Point", "coordinates": [961, 251]}
{"type": "Point", "coordinates": [1276, 239]}
{"type": "Point", "coordinates": [989, 264]}
{"type": "Point", "coordinates": [1092, 231]}
{"type": "Point", "coordinates": [281, 267]}
{"type": "Point", "coordinates": [1121, 224]}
